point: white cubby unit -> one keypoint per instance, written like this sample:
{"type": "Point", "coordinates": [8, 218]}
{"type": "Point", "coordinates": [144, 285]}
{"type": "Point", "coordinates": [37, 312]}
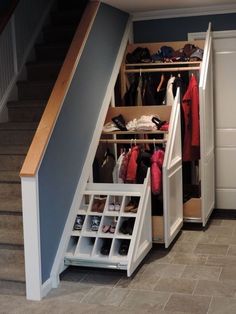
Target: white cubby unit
{"type": "Point", "coordinates": [121, 239]}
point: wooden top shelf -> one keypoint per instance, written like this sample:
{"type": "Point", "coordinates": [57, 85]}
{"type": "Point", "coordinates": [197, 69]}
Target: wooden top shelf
{"type": "Point", "coordinates": [134, 132]}
{"type": "Point", "coordinates": [161, 64]}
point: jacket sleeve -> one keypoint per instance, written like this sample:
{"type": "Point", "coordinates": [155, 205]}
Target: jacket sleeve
{"type": "Point", "coordinates": [195, 116]}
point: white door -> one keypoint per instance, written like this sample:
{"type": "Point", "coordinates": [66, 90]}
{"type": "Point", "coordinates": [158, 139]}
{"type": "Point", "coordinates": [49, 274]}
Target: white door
{"type": "Point", "coordinates": [172, 177]}
{"type": "Point", "coordinates": [224, 56]}
{"type": "Point", "coordinates": [206, 108]}
{"type": "Point", "coordinates": [225, 97]}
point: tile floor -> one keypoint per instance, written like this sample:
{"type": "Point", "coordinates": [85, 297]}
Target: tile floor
{"type": "Point", "coordinates": [197, 275]}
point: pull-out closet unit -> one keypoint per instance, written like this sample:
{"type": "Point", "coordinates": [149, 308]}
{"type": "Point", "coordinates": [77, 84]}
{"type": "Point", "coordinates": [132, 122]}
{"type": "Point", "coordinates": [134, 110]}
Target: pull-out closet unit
{"type": "Point", "coordinates": [86, 245]}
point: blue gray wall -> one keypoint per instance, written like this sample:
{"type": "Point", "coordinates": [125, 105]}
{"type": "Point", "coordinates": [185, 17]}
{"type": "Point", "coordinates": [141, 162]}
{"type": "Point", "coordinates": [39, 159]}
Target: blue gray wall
{"type": "Point", "coordinates": [64, 159]}
{"type": "Point", "coordinates": [174, 29]}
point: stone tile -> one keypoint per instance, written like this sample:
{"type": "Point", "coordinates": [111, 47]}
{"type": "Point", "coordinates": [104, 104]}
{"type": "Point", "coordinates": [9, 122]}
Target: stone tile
{"type": "Point", "coordinates": [145, 300]}
{"type": "Point", "coordinates": [177, 285]}
{"type": "Point", "coordinates": [164, 270]}
{"type": "Point", "coordinates": [201, 272]}
{"type": "Point", "coordinates": [220, 305]}
{"type": "Point", "coordinates": [221, 260]}
{"type": "Point", "coordinates": [228, 240]}
{"type": "Point", "coordinates": [207, 239]}
{"type": "Point", "coordinates": [228, 273]}
{"type": "Point", "coordinates": [160, 256]}
{"type": "Point", "coordinates": [232, 250]}
{"type": "Point", "coordinates": [187, 303]}
{"type": "Point", "coordinates": [215, 222]}
{"type": "Point", "coordinates": [103, 278]}
{"type": "Point", "coordinates": [189, 259]}
{"type": "Point", "coordinates": [73, 274]}
{"type": "Point", "coordinates": [215, 288]}
{"type": "Point", "coordinates": [145, 281]}
{"type": "Point", "coordinates": [184, 247]}
{"type": "Point", "coordinates": [216, 230]}
{"type": "Point", "coordinates": [69, 291]}
{"type": "Point", "coordinates": [105, 296]}
{"type": "Point", "coordinates": [229, 223]}
{"type": "Point", "coordinates": [216, 249]}
{"type": "Point", "coordinates": [190, 236]}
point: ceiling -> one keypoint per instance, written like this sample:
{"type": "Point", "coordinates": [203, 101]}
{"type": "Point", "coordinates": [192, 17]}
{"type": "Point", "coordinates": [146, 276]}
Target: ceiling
{"type": "Point", "coordinates": [135, 6]}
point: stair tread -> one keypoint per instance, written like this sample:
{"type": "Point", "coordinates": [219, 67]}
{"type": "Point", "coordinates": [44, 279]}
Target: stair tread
{"type": "Point", "coordinates": [18, 125]}
{"type": "Point", "coordinates": [9, 176]}
{"type": "Point", "coordinates": [11, 236]}
{"type": "Point", "coordinates": [14, 205]}
{"type": "Point", "coordinates": [12, 264]}
{"type": "Point", "coordinates": [13, 150]}
{"type": "Point", "coordinates": [26, 103]}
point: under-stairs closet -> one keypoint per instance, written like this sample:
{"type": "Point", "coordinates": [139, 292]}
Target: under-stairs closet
{"type": "Point", "coordinates": [91, 243]}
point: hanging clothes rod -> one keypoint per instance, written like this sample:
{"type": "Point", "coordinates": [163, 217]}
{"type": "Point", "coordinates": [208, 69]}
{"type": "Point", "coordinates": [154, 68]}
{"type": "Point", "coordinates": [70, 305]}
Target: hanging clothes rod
{"type": "Point", "coordinates": [179, 69]}
{"type": "Point", "coordinates": [134, 141]}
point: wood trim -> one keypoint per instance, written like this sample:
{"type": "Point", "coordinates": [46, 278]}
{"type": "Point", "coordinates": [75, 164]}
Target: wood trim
{"type": "Point", "coordinates": [55, 102]}
{"type": "Point", "coordinates": [7, 15]}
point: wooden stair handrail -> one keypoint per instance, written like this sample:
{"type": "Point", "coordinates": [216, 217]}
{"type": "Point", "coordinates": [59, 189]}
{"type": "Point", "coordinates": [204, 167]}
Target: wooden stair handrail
{"type": "Point", "coordinates": [52, 110]}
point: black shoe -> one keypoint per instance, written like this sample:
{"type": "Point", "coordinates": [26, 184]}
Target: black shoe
{"type": "Point", "coordinates": [124, 247]}
{"type": "Point", "coordinates": [119, 122]}
{"type": "Point", "coordinates": [105, 249]}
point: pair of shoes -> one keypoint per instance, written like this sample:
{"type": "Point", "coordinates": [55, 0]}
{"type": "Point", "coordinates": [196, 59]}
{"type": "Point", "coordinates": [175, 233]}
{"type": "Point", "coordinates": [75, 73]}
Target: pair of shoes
{"type": "Point", "coordinates": [79, 222]}
{"type": "Point", "coordinates": [98, 205]}
{"type": "Point", "coordinates": [132, 206]}
{"type": "Point", "coordinates": [124, 247]}
{"type": "Point", "coordinates": [109, 228]}
{"type": "Point", "coordinates": [114, 207]}
{"type": "Point", "coordinates": [127, 226]}
{"type": "Point", "coordinates": [159, 123]}
{"type": "Point", "coordinates": [95, 222]}
{"type": "Point", "coordinates": [106, 246]}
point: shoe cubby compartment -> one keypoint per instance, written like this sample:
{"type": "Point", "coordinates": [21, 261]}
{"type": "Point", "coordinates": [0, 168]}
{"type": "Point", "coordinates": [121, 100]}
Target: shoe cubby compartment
{"type": "Point", "coordinates": [71, 248]}
{"type": "Point", "coordinates": [98, 204]}
{"type": "Point", "coordinates": [125, 227]}
{"type": "Point", "coordinates": [78, 224]}
{"type": "Point", "coordinates": [85, 204]}
{"type": "Point", "coordinates": [121, 248]}
{"type": "Point", "coordinates": [131, 204]}
{"type": "Point", "coordinates": [92, 224]}
{"type": "Point", "coordinates": [114, 204]}
{"type": "Point", "coordinates": [85, 247]}
{"type": "Point", "coordinates": [108, 226]}
{"type": "Point", "coordinates": [102, 248]}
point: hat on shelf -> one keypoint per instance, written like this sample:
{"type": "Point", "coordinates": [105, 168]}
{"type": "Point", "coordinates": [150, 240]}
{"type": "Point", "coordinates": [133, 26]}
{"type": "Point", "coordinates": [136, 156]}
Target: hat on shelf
{"type": "Point", "coordinates": [197, 54]}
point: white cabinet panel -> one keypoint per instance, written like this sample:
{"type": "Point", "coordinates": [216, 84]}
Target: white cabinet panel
{"type": "Point", "coordinates": [226, 138]}
{"type": "Point", "coordinates": [226, 168]}
{"type": "Point", "coordinates": [226, 199]}
{"type": "Point", "coordinates": [225, 89]}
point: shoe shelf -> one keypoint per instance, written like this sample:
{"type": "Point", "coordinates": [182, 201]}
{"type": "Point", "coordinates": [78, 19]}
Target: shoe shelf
{"type": "Point", "coordinates": [112, 228]}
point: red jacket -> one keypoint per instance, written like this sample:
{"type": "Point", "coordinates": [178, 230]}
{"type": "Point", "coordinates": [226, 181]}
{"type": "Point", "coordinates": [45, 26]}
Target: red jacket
{"type": "Point", "coordinates": [156, 171]}
{"type": "Point", "coordinates": [132, 165]}
{"type": "Point", "coordinates": [190, 105]}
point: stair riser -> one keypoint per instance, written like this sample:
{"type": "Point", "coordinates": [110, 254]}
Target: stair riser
{"type": "Point", "coordinates": [70, 4]}
{"type": "Point", "coordinates": [27, 114]}
{"type": "Point", "coordinates": [27, 91]}
{"type": "Point", "coordinates": [68, 18]}
{"type": "Point", "coordinates": [53, 53]}
{"type": "Point", "coordinates": [11, 162]}
{"type": "Point", "coordinates": [19, 137]}
{"type": "Point", "coordinates": [12, 264]}
{"type": "Point", "coordinates": [10, 190]}
{"type": "Point", "coordinates": [11, 221]}
{"type": "Point", "coordinates": [55, 36]}
{"type": "Point", "coordinates": [37, 73]}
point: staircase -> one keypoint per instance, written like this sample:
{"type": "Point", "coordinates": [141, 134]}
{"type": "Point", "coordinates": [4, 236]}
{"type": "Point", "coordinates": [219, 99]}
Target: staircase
{"type": "Point", "coordinates": [16, 135]}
